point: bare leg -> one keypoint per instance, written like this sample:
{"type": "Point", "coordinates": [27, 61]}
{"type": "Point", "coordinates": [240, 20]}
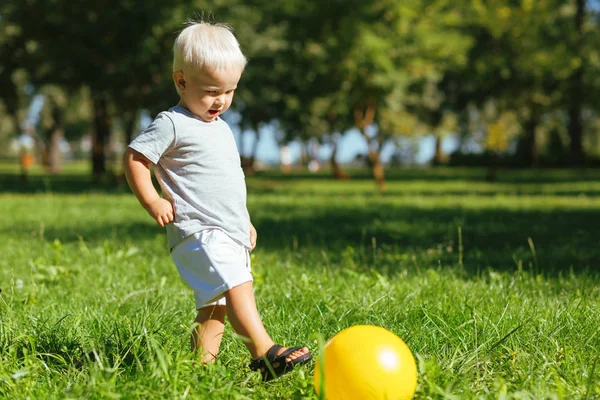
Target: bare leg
{"type": "Point", "coordinates": [206, 337]}
{"type": "Point", "coordinates": [245, 321]}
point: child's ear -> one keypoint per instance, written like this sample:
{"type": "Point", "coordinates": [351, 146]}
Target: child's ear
{"type": "Point", "coordinates": [179, 79]}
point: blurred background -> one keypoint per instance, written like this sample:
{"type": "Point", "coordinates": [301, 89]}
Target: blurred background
{"type": "Point", "coordinates": [330, 85]}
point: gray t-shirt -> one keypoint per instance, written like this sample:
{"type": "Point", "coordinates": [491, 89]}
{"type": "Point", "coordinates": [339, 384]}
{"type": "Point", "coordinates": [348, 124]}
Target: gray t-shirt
{"type": "Point", "coordinates": [198, 167]}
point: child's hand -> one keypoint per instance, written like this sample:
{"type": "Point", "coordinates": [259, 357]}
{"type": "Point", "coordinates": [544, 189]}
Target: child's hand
{"type": "Point", "coordinates": [253, 236]}
{"type": "Point", "coordinates": [161, 210]}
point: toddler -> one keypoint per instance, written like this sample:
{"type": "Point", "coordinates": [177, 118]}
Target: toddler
{"type": "Point", "coordinates": [195, 159]}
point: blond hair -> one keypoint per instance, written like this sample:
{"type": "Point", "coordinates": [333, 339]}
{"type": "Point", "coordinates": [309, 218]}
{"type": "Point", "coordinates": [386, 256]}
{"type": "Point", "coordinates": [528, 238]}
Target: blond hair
{"type": "Point", "coordinates": [203, 45]}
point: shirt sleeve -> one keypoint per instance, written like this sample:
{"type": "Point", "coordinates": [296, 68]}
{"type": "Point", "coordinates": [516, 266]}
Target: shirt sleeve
{"type": "Point", "coordinates": [156, 139]}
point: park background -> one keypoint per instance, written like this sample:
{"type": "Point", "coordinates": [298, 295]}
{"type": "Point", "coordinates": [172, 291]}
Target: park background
{"type": "Point", "coordinates": [426, 166]}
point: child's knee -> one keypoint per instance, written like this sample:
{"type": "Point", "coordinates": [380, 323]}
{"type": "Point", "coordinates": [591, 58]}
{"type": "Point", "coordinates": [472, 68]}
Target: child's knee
{"type": "Point", "coordinates": [217, 312]}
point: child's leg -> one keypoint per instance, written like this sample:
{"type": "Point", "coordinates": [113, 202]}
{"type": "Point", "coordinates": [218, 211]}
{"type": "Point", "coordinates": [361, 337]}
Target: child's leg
{"type": "Point", "coordinates": [206, 337]}
{"type": "Point", "coordinates": [245, 321]}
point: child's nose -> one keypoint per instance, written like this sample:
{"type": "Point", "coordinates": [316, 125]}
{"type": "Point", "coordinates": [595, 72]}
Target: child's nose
{"type": "Point", "coordinates": [220, 100]}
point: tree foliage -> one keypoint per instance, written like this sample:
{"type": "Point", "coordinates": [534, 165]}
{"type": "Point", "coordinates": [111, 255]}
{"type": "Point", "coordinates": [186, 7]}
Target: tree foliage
{"type": "Point", "coordinates": [317, 69]}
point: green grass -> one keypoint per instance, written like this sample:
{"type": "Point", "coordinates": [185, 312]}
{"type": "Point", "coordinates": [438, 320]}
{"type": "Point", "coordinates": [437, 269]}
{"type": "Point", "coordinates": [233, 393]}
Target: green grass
{"type": "Point", "coordinates": [495, 287]}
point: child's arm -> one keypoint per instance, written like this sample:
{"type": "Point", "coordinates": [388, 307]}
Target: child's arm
{"type": "Point", "coordinates": [139, 178]}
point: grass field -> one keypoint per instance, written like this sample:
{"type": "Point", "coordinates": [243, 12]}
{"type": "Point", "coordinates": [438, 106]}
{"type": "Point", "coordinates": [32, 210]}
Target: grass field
{"type": "Point", "coordinates": [494, 286]}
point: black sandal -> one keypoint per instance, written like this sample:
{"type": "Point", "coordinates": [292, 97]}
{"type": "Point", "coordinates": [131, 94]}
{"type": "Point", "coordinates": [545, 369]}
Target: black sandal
{"type": "Point", "coordinates": [272, 365]}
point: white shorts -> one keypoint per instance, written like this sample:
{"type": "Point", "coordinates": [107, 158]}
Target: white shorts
{"type": "Point", "coordinates": [211, 263]}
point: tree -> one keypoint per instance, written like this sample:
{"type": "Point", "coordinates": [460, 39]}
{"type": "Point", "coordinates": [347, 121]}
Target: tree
{"type": "Point", "coordinates": [527, 58]}
{"type": "Point", "coordinates": [52, 124]}
{"type": "Point", "coordinates": [401, 53]}
{"type": "Point", "coordinates": [260, 95]}
{"type": "Point", "coordinates": [581, 32]}
{"type": "Point", "coordinates": [13, 53]}
{"type": "Point", "coordinates": [112, 48]}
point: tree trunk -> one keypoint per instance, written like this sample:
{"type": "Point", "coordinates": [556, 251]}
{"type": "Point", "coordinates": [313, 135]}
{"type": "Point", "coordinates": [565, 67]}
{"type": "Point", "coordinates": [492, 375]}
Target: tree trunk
{"type": "Point", "coordinates": [55, 156]}
{"type": "Point", "coordinates": [576, 155]}
{"type": "Point", "coordinates": [10, 94]}
{"type": "Point", "coordinates": [54, 136]}
{"type": "Point", "coordinates": [375, 162]}
{"type": "Point", "coordinates": [363, 117]}
{"type": "Point", "coordinates": [337, 171]}
{"type": "Point", "coordinates": [10, 98]}
{"type": "Point", "coordinates": [529, 143]}
{"type": "Point", "coordinates": [254, 152]}
{"type": "Point", "coordinates": [377, 168]}
{"type": "Point", "coordinates": [438, 156]}
{"type": "Point", "coordinates": [100, 138]}
{"type": "Point", "coordinates": [248, 163]}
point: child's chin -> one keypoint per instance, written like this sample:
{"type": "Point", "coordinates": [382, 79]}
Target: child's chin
{"type": "Point", "coordinates": [209, 118]}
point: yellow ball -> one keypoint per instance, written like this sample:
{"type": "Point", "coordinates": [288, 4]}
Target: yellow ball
{"type": "Point", "coordinates": [366, 362]}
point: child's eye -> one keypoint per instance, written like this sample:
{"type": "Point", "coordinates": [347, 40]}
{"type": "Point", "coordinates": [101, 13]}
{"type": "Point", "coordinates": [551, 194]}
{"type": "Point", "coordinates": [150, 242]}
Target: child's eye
{"type": "Point", "coordinates": [229, 91]}
{"type": "Point", "coordinates": [211, 92]}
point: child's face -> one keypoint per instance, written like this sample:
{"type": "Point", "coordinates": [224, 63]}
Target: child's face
{"type": "Point", "coordinates": [208, 94]}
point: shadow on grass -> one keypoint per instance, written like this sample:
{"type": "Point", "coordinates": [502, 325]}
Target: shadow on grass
{"type": "Point", "coordinates": [551, 241]}
{"type": "Point", "coordinates": [64, 184]}
{"type": "Point", "coordinates": [399, 193]}
{"type": "Point", "coordinates": [445, 174]}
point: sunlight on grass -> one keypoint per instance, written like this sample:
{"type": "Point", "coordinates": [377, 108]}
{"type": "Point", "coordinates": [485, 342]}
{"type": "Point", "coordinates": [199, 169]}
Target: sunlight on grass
{"type": "Point", "coordinates": [91, 305]}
